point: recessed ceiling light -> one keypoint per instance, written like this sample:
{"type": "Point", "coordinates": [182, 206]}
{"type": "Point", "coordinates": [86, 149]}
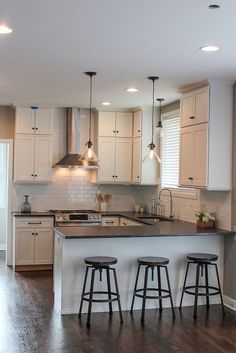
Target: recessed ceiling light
{"type": "Point", "coordinates": [5, 30]}
{"type": "Point", "coordinates": [209, 48]}
{"type": "Point", "coordinates": [131, 89]}
{"type": "Point", "coordinates": [214, 6]}
{"type": "Point", "coordinates": [106, 103]}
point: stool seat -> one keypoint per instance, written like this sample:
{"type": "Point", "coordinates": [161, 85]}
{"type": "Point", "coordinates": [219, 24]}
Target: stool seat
{"type": "Point", "coordinates": [202, 257]}
{"type": "Point", "coordinates": [152, 260]}
{"type": "Point", "coordinates": [100, 261]}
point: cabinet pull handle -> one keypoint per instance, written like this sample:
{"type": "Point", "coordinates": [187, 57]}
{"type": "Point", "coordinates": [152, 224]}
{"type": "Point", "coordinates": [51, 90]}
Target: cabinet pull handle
{"type": "Point", "coordinates": [125, 224]}
{"type": "Point", "coordinates": [191, 117]}
{"type": "Point", "coordinates": [109, 222]}
{"type": "Point", "coordinates": [34, 222]}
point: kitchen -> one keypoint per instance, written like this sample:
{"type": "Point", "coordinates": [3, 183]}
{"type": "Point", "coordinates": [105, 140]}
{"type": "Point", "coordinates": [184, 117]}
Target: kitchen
{"type": "Point", "coordinates": [78, 189]}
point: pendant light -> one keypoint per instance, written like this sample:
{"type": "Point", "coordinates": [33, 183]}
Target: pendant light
{"type": "Point", "coordinates": [151, 154]}
{"type": "Point", "coordinates": [160, 100]}
{"type": "Point", "coordinates": [90, 155]}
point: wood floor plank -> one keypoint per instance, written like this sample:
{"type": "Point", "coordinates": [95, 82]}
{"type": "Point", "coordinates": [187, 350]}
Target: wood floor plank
{"type": "Point", "coordinates": [29, 324]}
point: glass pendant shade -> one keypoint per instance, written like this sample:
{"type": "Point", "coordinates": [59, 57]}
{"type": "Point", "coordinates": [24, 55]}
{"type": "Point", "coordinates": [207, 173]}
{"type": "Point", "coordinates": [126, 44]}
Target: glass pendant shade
{"type": "Point", "coordinates": [89, 154]}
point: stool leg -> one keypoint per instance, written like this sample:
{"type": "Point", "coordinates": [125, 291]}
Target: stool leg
{"type": "Point", "coordinates": [135, 288]}
{"type": "Point", "coordinates": [221, 297]}
{"type": "Point", "coordinates": [169, 288]}
{"type": "Point", "coordinates": [90, 297]}
{"type": "Point", "coordinates": [118, 295]}
{"type": "Point", "coordinates": [207, 286]}
{"type": "Point", "coordinates": [185, 279]}
{"type": "Point", "coordinates": [144, 293]}
{"type": "Point", "coordinates": [196, 291]}
{"type": "Point", "coordinates": [83, 291]}
{"type": "Point", "coordinates": [159, 286]}
{"type": "Point", "coordinates": [109, 289]}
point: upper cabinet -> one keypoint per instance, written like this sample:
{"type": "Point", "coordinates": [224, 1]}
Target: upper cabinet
{"type": "Point", "coordinates": [206, 137]}
{"type": "Point", "coordinates": [33, 148]}
{"type": "Point", "coordinates": [36, 121]}
{"type": "Point", "coordinates": [137, 126]}
{"type": "Point", "coordinates": [194, 107]}
{"type": "Point", "coordinates": [117, 124]}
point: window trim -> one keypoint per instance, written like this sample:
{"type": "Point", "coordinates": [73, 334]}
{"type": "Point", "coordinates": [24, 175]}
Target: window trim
{"type": "Point", "coordinates": [188, 193]}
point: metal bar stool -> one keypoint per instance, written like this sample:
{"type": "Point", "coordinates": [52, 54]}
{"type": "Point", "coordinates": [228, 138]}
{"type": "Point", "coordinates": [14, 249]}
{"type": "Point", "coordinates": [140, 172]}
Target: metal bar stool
{"type": "Point", "coordinates": [202, 261]}
{"type": "Point", "coordinates": [151, 263]}
{"type": "Point", "coordinates": [98, 264]}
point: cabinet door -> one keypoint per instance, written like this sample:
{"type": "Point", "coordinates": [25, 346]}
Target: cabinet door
{"type": "Point", "coordinates": [136, 163]}
{"type": "Point", "coordinates": [44, 121]}
{"type": "Point", "coordinates": [24, 158]}
{"type": "Point", "coordinates": [200, 134]}
{"type": "Point", "coordinates": [24, 121]}
{"type": "Point", "coordinates": [106, 156]}
{"type": "Point", "coordinates": [137, 126]}
{"type": "Point", "coordinates": [43, 158]}
{"type": "Point", "coordinates": [107, 124]}
{"type": "Point", "coordinates": [123, 159]}
{"type": "Point", "coordinates": [201, 114]}
{"type": "Point", "coordinates": [24, 246]}
{"type": "Point", "coordinates": [43, 253]}
{"type": "Point", "coordinates": [186, 168]}
{"type": "Point", "coordinates": [124, 124]}
{"type": "Point", "coordinates": [187, 103]}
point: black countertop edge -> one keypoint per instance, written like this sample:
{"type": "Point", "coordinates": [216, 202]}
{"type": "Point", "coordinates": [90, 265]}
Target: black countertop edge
{"type": "Point", "coordinates": [32, 214]}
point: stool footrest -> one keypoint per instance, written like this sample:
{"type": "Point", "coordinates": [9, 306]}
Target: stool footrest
{"type": "Point", "coordinates": [153, 296]}
{"type": "Point", "coordinates": [94, 300]}
{"type": "Point", "coordinates": [216, 291]}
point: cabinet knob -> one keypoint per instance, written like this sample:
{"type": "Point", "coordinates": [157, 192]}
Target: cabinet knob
{"type": "Point", "coordinates": [32, 233]}
{"type": "Point", "coordinates": [117, 131]}
{"type": "Point", "coordinates": [137, 176]}
{"type": "Point", "coordinates": [35, 175]}
{"type": "Point", "coordinates": [32, 174]}
{"type": "Point", "coordinates": [32, 128]}
{"type": "Point", "coordinates": [191, 117]}
{"type": "Point", "coordinates": [36, 233]}
{"type": "Point", "coordinates": [113, 176]}
{"type": "Point", "coordinates": [116, 176]}
{"type": "Point", "coordinates": [139, 130]}
{"type": "Point", "coordinates": [36, 128]}
{"type": "Point", "coordinates": [114, 131]}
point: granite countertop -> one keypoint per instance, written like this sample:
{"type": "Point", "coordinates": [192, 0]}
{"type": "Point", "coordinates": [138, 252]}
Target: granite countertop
{"type": "Point", "coordinates": [33, 214]}
{"type": "Point", "coordinates": [148, 229]}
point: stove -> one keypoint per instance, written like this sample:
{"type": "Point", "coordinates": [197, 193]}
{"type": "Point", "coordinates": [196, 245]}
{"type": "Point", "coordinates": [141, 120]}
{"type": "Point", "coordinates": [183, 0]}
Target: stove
{"type": "Point", "coordinates": [76, 218]}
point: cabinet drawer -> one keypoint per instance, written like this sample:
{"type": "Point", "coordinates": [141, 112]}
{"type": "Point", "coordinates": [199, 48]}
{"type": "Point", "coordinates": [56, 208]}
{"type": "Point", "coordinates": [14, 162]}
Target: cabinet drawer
{"type": "Point", "coordinates": [110, 221]}
{"type": "Point", "coordinates": [46, 222]}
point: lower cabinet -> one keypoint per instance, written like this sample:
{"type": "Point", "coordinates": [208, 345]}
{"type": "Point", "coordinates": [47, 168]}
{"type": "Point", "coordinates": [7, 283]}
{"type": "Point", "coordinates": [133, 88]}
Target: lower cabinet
{"type": "Point", "coordinates": [33, 242]}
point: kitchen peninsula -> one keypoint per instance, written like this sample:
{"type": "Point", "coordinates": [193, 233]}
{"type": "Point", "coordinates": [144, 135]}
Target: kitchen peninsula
{"type": "Point", "coordinates": [162, 238]}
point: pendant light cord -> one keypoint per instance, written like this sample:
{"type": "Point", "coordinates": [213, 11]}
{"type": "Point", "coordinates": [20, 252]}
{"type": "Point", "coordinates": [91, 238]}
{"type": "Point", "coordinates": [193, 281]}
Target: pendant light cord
{"type": "Point", "coordinates": [90, 107]}
{"type": "Point", "coordinates": [153, 82]}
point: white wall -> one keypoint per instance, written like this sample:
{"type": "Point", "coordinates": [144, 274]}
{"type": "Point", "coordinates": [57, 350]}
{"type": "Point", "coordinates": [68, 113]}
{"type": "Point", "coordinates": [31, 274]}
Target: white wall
{"type": "Point", "coordinates": [3, 195]}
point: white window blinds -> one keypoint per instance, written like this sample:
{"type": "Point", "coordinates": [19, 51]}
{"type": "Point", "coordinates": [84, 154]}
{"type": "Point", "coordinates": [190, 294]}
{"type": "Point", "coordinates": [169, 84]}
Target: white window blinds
{"type": "Point", "coordinates": [170, 152]}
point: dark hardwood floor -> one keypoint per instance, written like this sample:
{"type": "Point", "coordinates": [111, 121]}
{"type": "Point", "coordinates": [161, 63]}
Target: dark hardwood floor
{"type": "Point", "coordinates": [29, 324]}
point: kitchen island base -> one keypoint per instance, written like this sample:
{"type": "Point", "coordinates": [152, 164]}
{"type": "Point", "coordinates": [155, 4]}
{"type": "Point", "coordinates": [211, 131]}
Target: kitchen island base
{"type": "Point", "coordinates": [69, 267]}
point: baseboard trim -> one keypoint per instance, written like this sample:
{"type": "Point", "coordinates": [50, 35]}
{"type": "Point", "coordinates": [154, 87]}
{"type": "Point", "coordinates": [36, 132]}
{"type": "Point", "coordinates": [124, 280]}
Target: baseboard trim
{"type": "Point", "coordinates": [25, 268]}
{"type": "Point", "coordinates": [229, 302]}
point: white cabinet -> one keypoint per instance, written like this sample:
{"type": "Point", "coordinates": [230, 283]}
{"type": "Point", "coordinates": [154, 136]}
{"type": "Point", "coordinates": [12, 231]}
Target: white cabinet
{"type": "Point", "coordinates": [206, 139]}
{"type": "Point", "coordinates": [125, 222]}
{"type": "Point", "coordinates": [194, 107]}
{"type": "Point", "coordinates": [115, 124]}
{"type": "Point", "coordinates": [193, 155]}
{"type": "Point", "coordinates": [115, 156]}
{"type": "Point", "coordinates": [137, 125]}
{"type": "Point", "coordinates": [144, 172]}
{"type": "Point", "coordinates": [38, 121]}
{"type": "Point", "coordinates": [33, 158]}
{"type": "Point", "coordinates": [33, 241]}
{"type": "Point", "coordinates": [109, 221]}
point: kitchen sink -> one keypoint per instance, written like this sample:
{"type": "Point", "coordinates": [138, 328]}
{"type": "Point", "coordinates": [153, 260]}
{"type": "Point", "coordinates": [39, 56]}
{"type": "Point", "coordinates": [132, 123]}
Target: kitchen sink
{"type": "Point", "coordinates": [155, 219]}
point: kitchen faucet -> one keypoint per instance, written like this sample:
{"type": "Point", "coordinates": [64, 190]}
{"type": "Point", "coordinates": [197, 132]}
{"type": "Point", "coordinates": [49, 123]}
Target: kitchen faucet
{"type": "Point", "coordinates": [171, 215]}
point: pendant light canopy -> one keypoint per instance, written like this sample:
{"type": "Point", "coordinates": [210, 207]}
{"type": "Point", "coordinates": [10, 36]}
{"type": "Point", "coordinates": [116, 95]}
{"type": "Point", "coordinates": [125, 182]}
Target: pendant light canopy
{"type": "Point", "coordinates": [151, 154]}
{"type": "Point", "coordinates": [90, 155]}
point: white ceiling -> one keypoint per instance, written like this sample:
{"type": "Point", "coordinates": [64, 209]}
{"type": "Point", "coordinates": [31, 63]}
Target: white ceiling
{"type": "Point", "coordinates": [55, 41]}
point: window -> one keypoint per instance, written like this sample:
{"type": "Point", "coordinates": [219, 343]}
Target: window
{"type": "Point", "coordinates": [170, 151]}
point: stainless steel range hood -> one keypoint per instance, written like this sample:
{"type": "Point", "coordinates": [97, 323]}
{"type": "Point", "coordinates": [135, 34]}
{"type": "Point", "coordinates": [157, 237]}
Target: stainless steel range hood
{"type": "Point", "coordinates": [73, 158]}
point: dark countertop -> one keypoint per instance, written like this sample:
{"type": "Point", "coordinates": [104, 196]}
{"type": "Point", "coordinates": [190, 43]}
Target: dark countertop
{"type": "Point", "coordinates": [158, 229]}
{"type": "Point", "coordinates": [32, 214]}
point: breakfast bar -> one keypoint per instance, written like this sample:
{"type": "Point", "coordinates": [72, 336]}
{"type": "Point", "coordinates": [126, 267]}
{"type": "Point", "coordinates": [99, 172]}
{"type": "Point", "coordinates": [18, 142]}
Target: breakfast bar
{"type": "Point", "coordinates": [167, 239]}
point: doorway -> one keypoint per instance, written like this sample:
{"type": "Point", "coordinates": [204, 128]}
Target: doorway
{"type": "Point", "coordinates": [6, 157]}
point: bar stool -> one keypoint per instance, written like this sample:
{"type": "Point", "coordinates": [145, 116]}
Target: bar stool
{"type": "Point", "coordinates": [202, 261]}
{"type": "Point", "coordinates": [100, 263]}
{"type": "Point", "coordinates": [151, 262]}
